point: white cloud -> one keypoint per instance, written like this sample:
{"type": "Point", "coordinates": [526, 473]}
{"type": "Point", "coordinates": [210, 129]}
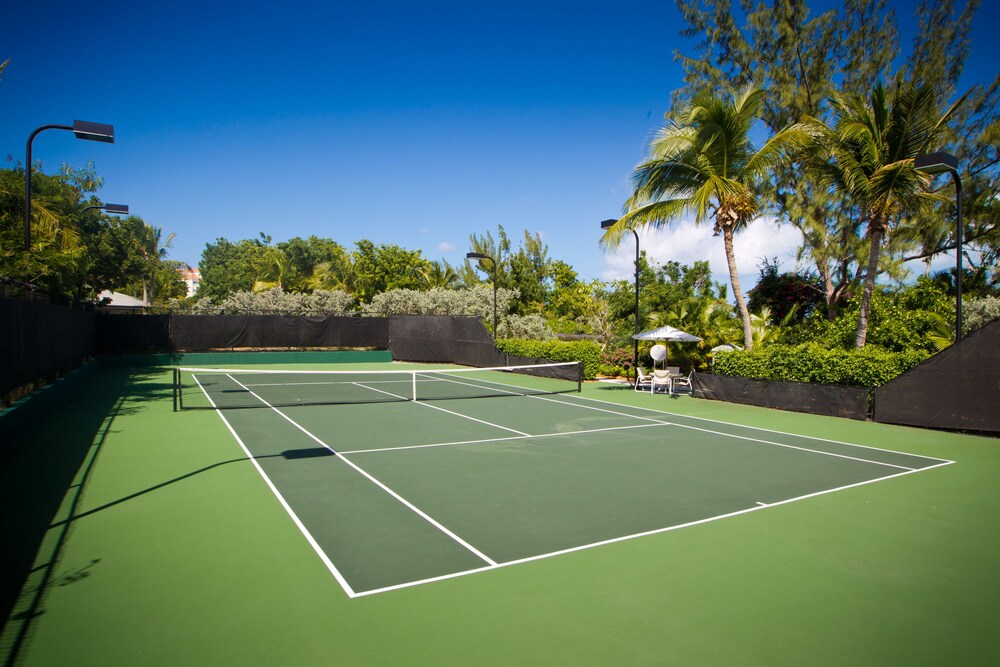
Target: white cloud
{"type": "Point", "coordinates": [444, 246]}
{"type": "Point", "coordinates": [687, 243]}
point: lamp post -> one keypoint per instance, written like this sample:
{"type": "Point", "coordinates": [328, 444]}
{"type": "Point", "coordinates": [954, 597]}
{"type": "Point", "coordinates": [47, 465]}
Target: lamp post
{"type": "Point", "coordinates": [938, 163]}
{"type": "Point", "coordinates": [479, 255]}
{"type": "Point", "coordinates": [607, 224]}
{"type": "Point", "coordinates": [83, 130]}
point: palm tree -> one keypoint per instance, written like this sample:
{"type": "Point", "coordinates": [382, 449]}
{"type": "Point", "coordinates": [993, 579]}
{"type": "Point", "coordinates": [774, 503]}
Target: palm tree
{"type": "Point", "coordinates": [870, 151]}
{"type": "Point", "coordinates": [703, 162]}
{"type": "Point", "coordinates": [271, 269]}
{"type": "Point", "coordinates": [327, 276]}
{"type": "Point", "coordinates": [437, 274]}
{"type": "Point", "coordinates": [154, 249]}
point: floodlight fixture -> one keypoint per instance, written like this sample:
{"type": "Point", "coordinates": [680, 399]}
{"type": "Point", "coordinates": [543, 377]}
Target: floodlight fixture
{"type": "Point", "coordinates": [936, 163]}
{"type": "Point", "coordinates": [83, 129]}
{"type": "Point", "coordinates": [118, 209]}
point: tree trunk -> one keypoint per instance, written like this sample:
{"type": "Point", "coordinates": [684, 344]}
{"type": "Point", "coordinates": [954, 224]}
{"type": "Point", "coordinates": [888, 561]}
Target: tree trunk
{"type": "Point", "coordinates": [734, 278]}
{"type": "Point", "coordinates": [829, 290]}
{"type": "Point", "coordinates": [861, 333]}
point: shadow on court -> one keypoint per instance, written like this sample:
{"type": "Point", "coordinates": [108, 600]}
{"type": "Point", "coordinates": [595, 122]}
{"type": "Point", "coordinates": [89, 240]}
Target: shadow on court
{"type": "Point", "coordinates": [45, 468]}
{"type": "Point", "coordinates": [48, 468]}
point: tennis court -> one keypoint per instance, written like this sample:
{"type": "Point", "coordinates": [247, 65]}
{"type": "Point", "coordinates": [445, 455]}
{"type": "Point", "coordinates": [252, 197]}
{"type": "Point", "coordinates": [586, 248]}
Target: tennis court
{"type": "Point", "coordinates": [530, 524]}
{"type": "Point", "coordinates": [396, 479]}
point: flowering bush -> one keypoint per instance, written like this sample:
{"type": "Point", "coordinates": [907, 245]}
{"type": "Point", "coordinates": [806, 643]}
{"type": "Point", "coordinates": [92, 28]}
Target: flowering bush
{"type": "Point", "coordinates": [615, 363]}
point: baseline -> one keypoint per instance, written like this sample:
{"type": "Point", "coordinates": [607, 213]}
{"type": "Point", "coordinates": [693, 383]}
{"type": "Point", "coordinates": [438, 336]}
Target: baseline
{"type": "Point", "coordinates": [583, 547]}
{"type": "Point", "coordinates": [674, 415]}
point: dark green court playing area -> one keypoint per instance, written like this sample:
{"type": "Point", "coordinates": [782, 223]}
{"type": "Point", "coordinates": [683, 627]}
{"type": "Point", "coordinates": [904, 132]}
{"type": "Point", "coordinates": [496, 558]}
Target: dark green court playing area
{"type": "Point", "coordinates": [393, 492]}
{"type": "Point", "coordinates": [500, 519]}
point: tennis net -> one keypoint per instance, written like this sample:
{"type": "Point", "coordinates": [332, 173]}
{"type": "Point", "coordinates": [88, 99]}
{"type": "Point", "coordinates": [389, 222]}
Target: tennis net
{"type": "Point", "coordinates": [211, 388]}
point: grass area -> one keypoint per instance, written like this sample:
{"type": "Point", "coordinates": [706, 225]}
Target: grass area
{"type": "Point", "coordinates": [154, 541]}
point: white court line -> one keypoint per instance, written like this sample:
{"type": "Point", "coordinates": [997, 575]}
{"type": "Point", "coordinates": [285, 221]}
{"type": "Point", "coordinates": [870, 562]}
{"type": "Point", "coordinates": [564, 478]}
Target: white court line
{"type": "Point", "coordinates": [495, 565]}
{"type": "Point", "coordinates": [301, 384]}
{"type": "Point", "coordinates": [288, 509]}
{"type": "Point", "coordinates": [457, 414]}
{"type": "Point", "coordinates": [504, 439]}
{"type": "Point", "coordinates": [715, 421]}
{"type": "Point", "coordinates": [661, 421]}
{"type": "Point", "coordinates": [623, 538]}
{"type": "Point", "coordinates": [755, 428]}
{"type": "Point", "coordinates": [743, 437]}
{"type": "Point", "coordinates": [416, 510]}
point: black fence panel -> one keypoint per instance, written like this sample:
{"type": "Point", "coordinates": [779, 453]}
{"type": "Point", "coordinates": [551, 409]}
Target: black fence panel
{"type": "Point", "coordinates": [39, 341]}
{"type": "Point", "coordinates": [422, 338]}
{"type": "Point", "coordinates": [211, 332]}
{"type": "Point", "coordinates": [958, 388]}
{"type": "Point", "coordinates": [214, 332]}
{"type": "Point", "coordinates": [122, 333]}
{"type": "Point", "coordinates": [360, 331]}
{"type": "Point", "coordinates": [474, 346]}
{"type": "Point", "coordinates": [817, 399]}
{"type": "Point", "coordinates": [445, 339]}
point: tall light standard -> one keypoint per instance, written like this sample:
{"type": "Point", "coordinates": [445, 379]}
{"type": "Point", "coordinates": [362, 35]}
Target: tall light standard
{"type": "Point", "coordinates": [83, 130]}
{"type": "Point", "coordinates": [607, 224]}
{"type": "Point", "coordinates": [479, 255]}
{"type": "Point", "coordinates": [938, 163]}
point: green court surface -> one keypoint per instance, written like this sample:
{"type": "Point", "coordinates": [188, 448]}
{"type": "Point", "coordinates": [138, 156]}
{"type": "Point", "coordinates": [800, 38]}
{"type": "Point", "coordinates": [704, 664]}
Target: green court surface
{"type": "Point", "coordinates": [600, 527]}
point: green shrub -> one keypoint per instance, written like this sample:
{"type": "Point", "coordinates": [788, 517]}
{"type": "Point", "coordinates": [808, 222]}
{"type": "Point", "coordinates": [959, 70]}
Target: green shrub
{"type": "Point", "coordinates": [913, 318]}
{"type": "Point", "coordinates": [980, 311]}
{"type": "Point", "coordinates": [276, 301]}
{"type": "Point", "coordinates": [530, 327]}
{"type": "Point", "coordinates": [610, 370]}
{"type": "Point", "coordinates": [615, 362]}
{"type": "Point", "coordinates": [869, 366]}
{"type": "Point", "coordinates": [585, 351]}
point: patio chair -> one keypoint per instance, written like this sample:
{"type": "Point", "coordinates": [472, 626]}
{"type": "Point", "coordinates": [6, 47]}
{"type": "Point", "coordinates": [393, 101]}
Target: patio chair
{"type": "Point", "coordinates": [681, 381]}
{"type": "Point", "coordinates": [642, 381]}
{"type": "Point", "coordinates": [661, 378]}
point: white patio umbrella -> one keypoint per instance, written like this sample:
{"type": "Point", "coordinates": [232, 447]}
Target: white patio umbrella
{"type": "Point", "coordinates": [667, 333]}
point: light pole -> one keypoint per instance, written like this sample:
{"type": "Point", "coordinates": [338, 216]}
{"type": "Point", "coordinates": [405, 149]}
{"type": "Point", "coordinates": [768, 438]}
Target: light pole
{"type": "Point", "coordinates": [479, 255]}
{"type": "Point", "coordinates": [938, 163]}
{"type": "Point", "coordinates": [83, 130]}
{"type": "Point", "coordinates": [607, 224]}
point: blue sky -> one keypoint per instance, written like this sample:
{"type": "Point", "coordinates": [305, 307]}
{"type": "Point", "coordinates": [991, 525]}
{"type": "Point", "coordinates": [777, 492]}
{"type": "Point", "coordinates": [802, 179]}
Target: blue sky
{"type": "Point", "coordinates": [409, 123]}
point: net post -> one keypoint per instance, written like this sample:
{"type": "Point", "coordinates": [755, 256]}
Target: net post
{"type": "Point", "coordinates": [413, 377]}
{"type": "Point", "coordinates": [176, 388]}
{"type": "Point", "coordinates": [579, 377]}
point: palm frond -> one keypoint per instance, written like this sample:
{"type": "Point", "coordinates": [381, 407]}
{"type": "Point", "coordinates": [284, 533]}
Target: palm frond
{"type": "Point", "coordinates": [656, 215]}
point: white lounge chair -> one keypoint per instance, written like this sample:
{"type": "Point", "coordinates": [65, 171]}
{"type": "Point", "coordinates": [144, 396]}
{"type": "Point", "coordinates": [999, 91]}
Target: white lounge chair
{"type": "Point", "coordinates": [681, 381]}
{"type": "Point", "coordinates": [662, 378]}
{"type": "Point", "coordinates": [642, 381]}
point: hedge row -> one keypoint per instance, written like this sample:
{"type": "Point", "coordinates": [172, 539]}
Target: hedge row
{"type": "Point", "coordinates": [586, 351]}
{"type": "Point", "coordinates": [865, 367]}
